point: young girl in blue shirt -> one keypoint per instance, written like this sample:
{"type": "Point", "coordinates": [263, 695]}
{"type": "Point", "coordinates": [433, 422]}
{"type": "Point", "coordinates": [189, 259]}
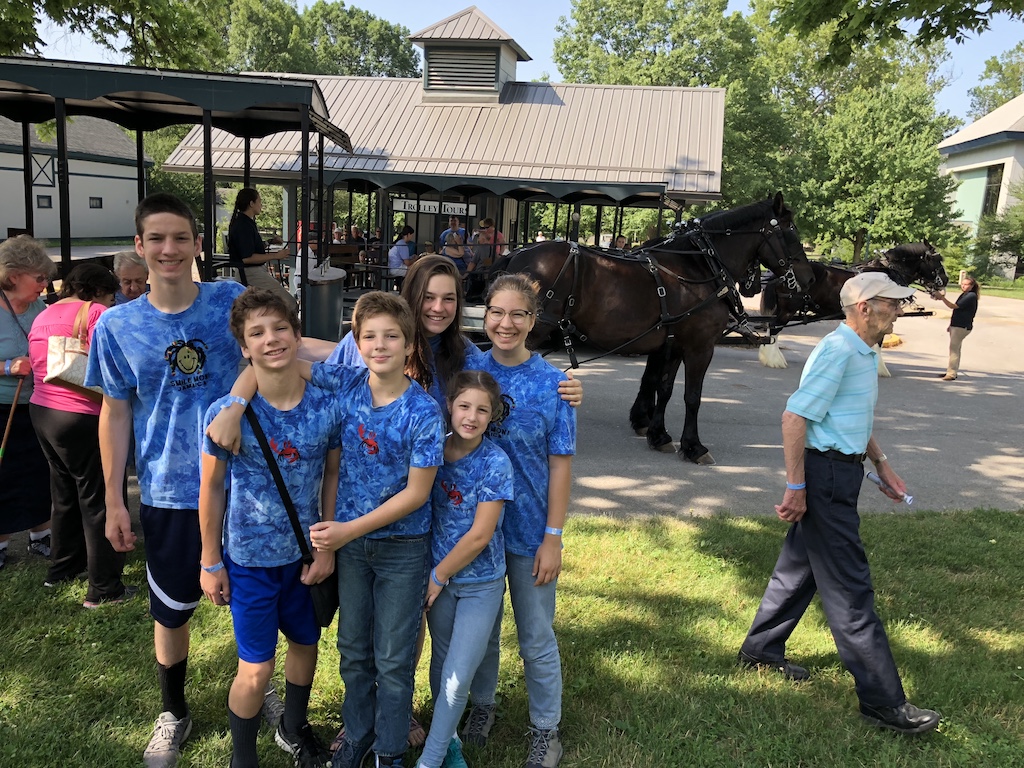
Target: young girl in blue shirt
{"type": "Point", "coordinates": [537, 431]}
{"type": "Point", "coordinates": [468, 557]}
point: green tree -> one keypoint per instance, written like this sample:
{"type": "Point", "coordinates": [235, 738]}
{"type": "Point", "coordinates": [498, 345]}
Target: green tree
{"type": "Point", "coordinates": [999, 245]}
{"type": "Point", "coordinates": [351, 41]}
{"type": "Point", "coordinates": [853, 24]}
{"type": "Point", "coordinates": [178, 34]}
{"type": "Point", "coordinates": [1005, 76]}
{"type": "Point", "coordinates": [669, 42]}
{"type": "Point", "coordinates": [267, 36]}
{"type": "Point", "coordinates": [188, 186]}
{"type": "Point", "coordinates": [878, 177]}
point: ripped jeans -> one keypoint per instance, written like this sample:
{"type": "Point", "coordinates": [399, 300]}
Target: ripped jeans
{"type": "Point", "coordinates": [460, 627]}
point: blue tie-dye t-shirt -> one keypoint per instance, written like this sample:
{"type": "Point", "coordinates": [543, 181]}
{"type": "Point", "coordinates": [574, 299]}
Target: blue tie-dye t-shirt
{"type": "Point", "coordinates": [257, 530]}
{"type": "Point", "coordinates": [485, 474]}
{"type": "Point", "coordinates": [379, 445]}
{"type": "Point", "coordinates": [537, 423]}
{"type": "Point", "coordinates": [347, 353]}
{"type": "Point", "coordinates": [171, 367]}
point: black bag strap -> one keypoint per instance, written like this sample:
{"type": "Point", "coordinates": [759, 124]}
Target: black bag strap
{"type": "Point", "coordinates": [14, 316]}
{"type": "Point", "coordinates": [293, 516]}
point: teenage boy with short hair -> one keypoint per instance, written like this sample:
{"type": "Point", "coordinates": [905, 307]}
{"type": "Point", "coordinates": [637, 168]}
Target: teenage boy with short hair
{"type": "Point", "coordinates": [161, 360]}
{"type": "Point", "coordinates": [251, 559]}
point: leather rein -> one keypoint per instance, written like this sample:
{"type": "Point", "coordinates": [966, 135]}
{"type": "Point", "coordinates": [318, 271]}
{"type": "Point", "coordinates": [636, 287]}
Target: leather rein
{"type": "Point", "coordinates": [723, 281]}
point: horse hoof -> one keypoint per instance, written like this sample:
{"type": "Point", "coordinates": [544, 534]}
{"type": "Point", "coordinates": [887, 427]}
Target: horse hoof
{"type": "Point", "coordinates": [706, 460]}
{"type": "Point", "coordinates": [641, 431]}
{"type": "Point", "coordinates": [666, 448]}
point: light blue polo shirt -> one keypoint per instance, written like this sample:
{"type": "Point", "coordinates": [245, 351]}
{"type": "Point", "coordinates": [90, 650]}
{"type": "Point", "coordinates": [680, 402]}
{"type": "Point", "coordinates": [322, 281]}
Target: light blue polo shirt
{"type": "Point", "coordinates": [837, 394]}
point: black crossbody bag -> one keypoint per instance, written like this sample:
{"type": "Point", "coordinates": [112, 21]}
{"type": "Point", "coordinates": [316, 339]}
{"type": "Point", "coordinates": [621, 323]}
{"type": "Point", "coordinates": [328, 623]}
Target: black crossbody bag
{"type": "Point", "coordinates": [324, 594]}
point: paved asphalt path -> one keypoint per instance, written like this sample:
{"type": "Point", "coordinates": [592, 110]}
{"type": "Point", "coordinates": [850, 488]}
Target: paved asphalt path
{"type": "Point", "coordinates": [958, 445]}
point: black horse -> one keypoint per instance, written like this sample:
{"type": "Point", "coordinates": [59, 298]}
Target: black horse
{"type": "Point", "coordinates": [670, 300]}
{"type": "Point", "coordinates": [908, 264]}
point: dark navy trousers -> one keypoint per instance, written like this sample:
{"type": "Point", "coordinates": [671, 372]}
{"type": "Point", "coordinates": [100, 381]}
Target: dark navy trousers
{"type": "Point", "coordinates": [823, 553]}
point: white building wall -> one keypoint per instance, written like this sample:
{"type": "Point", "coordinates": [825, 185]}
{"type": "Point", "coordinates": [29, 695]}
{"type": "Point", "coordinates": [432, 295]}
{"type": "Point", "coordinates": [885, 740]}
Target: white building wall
{"type": "Point", "coordinates": [1009, 154]}
{"type": "Point", "coordinates": [114, 185]}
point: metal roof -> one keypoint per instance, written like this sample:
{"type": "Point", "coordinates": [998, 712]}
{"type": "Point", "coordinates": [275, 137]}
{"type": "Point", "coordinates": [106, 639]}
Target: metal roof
{"type": "Point", "coordinates": [89, 138]}
{"type": "Point", "coordinates": [581, 142]}
{"type": "Point", "coordinates": [470, 25]}
{"type": "Point", "coordinates": [1005, 123]}
{"type": "Point", "coordinates": [146, 99]}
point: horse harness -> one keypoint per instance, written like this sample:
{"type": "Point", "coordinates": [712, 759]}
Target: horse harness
{"type": "Point", "coordinates": [724, 284]}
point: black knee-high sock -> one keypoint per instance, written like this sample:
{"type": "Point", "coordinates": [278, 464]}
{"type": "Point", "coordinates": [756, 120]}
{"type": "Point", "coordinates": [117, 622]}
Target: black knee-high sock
{"type": "Point", "coordinates": [243, 740]}
{"type": "Point", "coordinates": [172, 687]}
{"type": "Point", "coordinates": [296, 706]}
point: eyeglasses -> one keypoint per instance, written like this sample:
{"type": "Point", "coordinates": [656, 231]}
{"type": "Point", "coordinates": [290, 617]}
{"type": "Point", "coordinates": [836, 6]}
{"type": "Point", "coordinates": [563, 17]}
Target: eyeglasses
{"type": "Point", "coordinates": [125, 283]}
{"type": "Point", "coordinates": [517, 316]}
{"type": "Point", "coordinates": [895, 303]}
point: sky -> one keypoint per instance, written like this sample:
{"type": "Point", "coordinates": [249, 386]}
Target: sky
{"type": "Point", "coordinates": [531, 23]}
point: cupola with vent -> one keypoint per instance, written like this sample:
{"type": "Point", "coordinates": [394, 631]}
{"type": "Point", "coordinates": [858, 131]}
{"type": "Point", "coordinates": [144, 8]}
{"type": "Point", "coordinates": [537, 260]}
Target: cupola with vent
{"type": "Point", "coordinates": [467, 59]}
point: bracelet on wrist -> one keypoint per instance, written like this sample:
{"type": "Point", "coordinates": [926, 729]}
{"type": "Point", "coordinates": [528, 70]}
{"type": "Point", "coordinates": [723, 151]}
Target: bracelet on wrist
{"type": "Point", "coordinates": [213, 568]}
{"type": "Point", "coordinates": [881, 457]}
{"type": "Point", "coordinates": [552, 531]}
{"type": "Point", "coordinates": [796, 486]}
{"type": "Point", "coordinates": [7, 368]}
{"type": "Point", "coordinates": [232, 399]}
{"type": "Point", "coordinates": [433, 578]}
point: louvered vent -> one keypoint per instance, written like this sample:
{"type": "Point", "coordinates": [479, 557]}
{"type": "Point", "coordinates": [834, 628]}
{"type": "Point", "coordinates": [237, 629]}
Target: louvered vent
{"type": "Point", "coordinates": [462, 68]}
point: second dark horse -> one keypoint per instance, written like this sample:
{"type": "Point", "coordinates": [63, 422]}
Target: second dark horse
{"type": "Point", "coordinates": [670, 300]}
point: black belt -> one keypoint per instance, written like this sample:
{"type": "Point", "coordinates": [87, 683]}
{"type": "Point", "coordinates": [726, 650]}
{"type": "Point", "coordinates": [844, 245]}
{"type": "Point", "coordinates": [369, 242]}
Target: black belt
{"type": "Point", "coordinates": [855, 458]}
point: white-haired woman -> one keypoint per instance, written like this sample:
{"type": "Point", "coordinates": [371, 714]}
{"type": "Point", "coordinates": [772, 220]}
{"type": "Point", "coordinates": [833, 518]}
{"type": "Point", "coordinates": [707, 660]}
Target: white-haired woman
{"type": "Point", "coordinates": [25, 271]}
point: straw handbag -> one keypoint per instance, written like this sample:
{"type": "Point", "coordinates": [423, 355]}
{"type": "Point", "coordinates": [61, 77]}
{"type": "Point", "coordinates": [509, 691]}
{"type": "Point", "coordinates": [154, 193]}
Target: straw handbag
{"type": "Point", "coordinates": [67, 357]}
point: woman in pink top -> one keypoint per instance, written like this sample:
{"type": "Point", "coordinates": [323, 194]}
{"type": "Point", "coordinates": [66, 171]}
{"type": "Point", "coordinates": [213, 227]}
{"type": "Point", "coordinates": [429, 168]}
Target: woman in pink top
{"type": "Point", "coordinates": [67, 425]}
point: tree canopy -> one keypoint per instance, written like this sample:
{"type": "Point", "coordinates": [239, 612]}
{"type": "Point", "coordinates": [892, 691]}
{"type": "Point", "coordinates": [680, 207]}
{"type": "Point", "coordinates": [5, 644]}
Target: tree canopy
{"type": "Point", "coordinates": [853, 23]}
{"type": "Point", "coordinates": [1002, 80]}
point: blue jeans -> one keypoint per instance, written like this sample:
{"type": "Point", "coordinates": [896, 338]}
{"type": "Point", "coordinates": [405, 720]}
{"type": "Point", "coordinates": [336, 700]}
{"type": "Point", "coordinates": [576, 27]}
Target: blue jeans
{"type": "Point", "coordinates": [382, 583]}
{"type": "Point", "coordinates": [455, 620]}
{"type": "Point", "coordinates": [534, 609]}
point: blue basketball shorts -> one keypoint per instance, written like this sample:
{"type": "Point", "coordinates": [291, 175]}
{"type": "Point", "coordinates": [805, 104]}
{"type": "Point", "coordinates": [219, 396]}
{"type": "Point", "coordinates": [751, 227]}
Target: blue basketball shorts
{"type": "Point", "coordinates": [265, 600]}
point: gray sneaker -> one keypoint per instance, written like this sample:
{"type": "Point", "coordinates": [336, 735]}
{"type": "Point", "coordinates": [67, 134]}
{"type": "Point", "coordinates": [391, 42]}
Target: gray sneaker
{"type": "Point", "coordinates": [273, 708]}
{"type": "Point", "coordinates": [169, 734]}
{"type": "Point", "coordinates": [478, 724]}
{"type": "Point", "coordinates": [545, 748]}
{"type": "Point", "coordinates": [40, 547]}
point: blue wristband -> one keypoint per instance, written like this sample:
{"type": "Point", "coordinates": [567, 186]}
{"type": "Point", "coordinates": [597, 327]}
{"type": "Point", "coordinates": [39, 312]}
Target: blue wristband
{"type": "Point", "coordinates": [213, 568]}
{"type": "Point", "coordinates": [553, 531]}
{"type": "Point", "coordinates": [433, 578]}
{"type": "Point", "coordinates": [7, 368]}
{"type": "Point", "coordinates": [232, 399]}
{"type": "Point", "coordinates": [796, 486]}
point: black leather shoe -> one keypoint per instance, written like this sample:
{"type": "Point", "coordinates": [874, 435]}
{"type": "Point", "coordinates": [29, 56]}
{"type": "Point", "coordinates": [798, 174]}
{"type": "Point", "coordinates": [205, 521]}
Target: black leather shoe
{"type": "Point", "coordinates": [906, 718]}
{"type": "Point", "coordinates": [783, 666]}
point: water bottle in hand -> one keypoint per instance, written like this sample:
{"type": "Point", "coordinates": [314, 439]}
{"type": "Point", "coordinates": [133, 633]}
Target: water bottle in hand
{"type": "Point", "coordinates": [886, 487]}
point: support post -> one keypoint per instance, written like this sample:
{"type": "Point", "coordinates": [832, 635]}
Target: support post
{"type": "Point", "coordinates": [140, 163]}
{"type": "Point", "coordinates": [63, 184]}
{"type": "Point", "coordinates": [26, 155]}
{"type": "Point", "coordinates": [303, 240]}
{"type": "Point", "coordinates": [209, 197]}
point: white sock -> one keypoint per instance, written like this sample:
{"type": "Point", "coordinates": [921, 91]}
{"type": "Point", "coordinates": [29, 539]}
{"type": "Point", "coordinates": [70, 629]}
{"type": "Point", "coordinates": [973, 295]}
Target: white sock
{"type": "Point", "coordinates": [36, 536]}
{"type": "Point", "coordinates": [3, 545]}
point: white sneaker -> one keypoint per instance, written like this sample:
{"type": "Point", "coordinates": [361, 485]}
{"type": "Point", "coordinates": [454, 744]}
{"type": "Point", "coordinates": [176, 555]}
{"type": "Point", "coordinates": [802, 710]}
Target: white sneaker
{"type": "Point", "coordinates": [165, 745]}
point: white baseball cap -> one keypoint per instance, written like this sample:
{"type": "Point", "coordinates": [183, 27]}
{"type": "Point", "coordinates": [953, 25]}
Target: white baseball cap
{"type": "Point", "coordinates": [872, 285]}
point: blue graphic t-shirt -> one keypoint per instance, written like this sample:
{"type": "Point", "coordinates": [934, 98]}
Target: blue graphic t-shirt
{"type": "Point", "coordinates": [537, 423]}
{"type": "Point", "coordinates": [379, 445]}
{"type": "Point", "coordinates": [347, 353]}
{"type": "Point", "coordinates": [171, 367]}
{"type": "Point", "coordinates": [257, 530]}
{"type": "Point", "coordinates": [485, 474]}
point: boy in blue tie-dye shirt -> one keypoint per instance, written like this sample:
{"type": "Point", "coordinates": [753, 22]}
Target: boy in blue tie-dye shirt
{"type": "Point", "coordinates": [161, 361]}
{"type": "Point", "coordinates": [251, 559]}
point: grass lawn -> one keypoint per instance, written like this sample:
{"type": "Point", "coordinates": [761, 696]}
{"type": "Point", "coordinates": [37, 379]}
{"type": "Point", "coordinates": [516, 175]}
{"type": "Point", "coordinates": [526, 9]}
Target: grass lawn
{"type": "Point", "coordinates": [650, 616]}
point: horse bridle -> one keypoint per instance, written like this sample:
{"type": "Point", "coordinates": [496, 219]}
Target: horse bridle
{"type": "Point", "coordinates": [780, 262]}
{"type": "Point", "coordinates": [726, 283]}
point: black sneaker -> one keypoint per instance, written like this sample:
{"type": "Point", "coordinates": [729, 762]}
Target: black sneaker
{"type": "Point", "coordinates": [305, 748]}
{"type": "Point", "coordinates": [130, 591]}
{"type": "Point", "coordinates": [398, 761]}
{"type": "Point", "coordinates": [273, 708]}
{"type": "Point", "coordinates": [906, 718]}
{"type": "Point", "coordinates": [40, 547]}
{"type": "Point", "coordinates": [349, 755]}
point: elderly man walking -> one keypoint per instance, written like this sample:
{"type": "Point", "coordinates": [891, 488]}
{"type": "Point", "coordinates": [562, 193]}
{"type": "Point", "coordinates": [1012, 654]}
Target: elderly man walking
{"type": "Point", "coordinates": [826, 435]}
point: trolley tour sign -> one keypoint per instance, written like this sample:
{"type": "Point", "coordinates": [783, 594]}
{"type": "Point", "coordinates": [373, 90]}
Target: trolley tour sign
{"type": "Point", "coordinates": [432, 206]}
